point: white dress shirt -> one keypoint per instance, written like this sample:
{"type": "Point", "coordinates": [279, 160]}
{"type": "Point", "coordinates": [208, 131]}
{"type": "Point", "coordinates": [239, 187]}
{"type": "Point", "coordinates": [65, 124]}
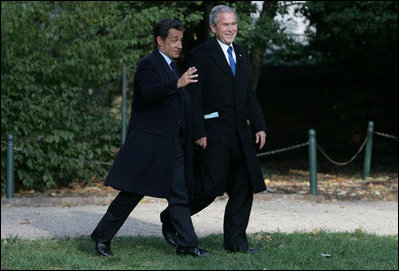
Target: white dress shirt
{"type": "Point", "coordinates": [226, 54]}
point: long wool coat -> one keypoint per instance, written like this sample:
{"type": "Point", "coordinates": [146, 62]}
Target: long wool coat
{"type": "Point", "coordinates": [235, 103]}
{"type": "Point", "coordinates": [145, 162]}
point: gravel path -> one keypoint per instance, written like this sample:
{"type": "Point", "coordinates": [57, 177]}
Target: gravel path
{"type": "Point", "coordinates": [269, 214]}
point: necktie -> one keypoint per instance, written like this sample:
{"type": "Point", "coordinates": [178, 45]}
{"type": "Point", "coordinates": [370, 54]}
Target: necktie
{"type": "Point", "coordinates": [174, 69]}
{"type": "Point", "coordinates": [231, 60]}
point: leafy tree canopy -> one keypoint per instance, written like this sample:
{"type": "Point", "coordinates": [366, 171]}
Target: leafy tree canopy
{"type": "Point", "coordinates": [354, 33]}
{"type": "Point", "coordinates": [52, 54]}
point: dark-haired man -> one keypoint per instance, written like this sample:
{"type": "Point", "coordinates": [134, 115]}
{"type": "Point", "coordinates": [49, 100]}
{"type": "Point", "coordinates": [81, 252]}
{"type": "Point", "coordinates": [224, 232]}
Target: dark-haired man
{"type": "Point", "coordinates": [155, 159]}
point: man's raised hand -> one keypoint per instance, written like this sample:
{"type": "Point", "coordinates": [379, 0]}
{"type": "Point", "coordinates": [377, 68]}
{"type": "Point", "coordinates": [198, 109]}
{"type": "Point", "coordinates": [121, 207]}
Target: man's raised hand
{"type": "Point", "coordinates": [189, 77]}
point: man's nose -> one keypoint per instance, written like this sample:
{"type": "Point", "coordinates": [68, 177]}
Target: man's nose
{"type": "Point", "coordinates": [180, 45]}
{"type": "Point", "coordinates": [232, 27]}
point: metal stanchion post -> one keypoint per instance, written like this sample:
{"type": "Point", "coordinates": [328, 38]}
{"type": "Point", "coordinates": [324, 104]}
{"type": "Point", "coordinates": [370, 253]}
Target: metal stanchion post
{"type": "Point", "coordinates": [367, 152]}
{"type": "Point", "coordinates": [10, 167]}
{"type": "Point", "coordinates": [313, 162]}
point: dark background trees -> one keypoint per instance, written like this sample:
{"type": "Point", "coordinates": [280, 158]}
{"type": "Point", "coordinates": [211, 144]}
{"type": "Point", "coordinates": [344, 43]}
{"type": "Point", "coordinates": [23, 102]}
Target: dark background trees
{"type": "Point", "coordinates": [61, 76]}
{"type": "Point", "coordinates": [346, 77]}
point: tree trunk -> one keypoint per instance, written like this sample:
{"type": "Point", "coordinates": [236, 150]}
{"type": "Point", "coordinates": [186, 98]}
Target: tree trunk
{"type": "Point", "coordinates": [256, 64]}
{"type": "Point", "coordinates": [258, 53]}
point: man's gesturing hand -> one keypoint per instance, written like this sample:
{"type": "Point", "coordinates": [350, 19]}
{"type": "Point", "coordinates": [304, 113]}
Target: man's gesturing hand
{"type": "Point", "coordinates": [188, 77]}
{"type": "Point", "coordinates": [201, 142]}
{"type": "Point", "coordinates": [260, 138]}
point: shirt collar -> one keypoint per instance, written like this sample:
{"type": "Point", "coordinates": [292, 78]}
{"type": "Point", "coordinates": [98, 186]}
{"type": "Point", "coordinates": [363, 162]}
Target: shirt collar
{"type": "Point", "coordinates": [168, 59]}
{"type": "Point", "coordinates": [224, 46]}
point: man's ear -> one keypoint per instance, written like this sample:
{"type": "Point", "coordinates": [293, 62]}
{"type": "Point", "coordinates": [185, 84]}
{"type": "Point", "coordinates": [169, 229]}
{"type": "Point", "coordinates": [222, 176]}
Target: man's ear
{"type": "Point", "coordinates": [213, 27]}
{"type": "Point", "coordinates": [160, 41]}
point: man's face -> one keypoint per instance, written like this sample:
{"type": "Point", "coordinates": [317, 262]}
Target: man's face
{"type": "Point", "coordinates": [226, 28]}
{"type": "Point", "coordinates": [172, 45]}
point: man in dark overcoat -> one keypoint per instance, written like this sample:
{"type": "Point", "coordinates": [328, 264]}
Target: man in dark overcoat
{"type": "Point", "coordinates": [228, 123]}
{"type": "Point", "coordinates": [156, 159]}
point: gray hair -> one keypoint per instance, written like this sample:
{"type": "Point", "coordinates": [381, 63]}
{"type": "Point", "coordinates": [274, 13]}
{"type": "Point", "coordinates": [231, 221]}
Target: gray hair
{"type": "Point", "coordinates": [215, 11]}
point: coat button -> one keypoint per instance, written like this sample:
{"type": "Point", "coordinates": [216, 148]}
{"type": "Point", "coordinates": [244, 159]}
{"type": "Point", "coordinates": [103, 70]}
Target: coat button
{"type": "Point", "coordinates": [178, 122]}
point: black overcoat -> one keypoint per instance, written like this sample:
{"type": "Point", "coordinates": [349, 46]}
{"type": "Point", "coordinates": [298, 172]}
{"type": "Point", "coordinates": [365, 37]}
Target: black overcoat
{"type": "Point", "coordinates": [238, 108]}
{"type": "Point", "coordinates": [145, 162]}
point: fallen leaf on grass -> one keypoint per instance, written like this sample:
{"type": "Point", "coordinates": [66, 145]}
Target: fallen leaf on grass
{"type": "Point", "coordinates": [258, 236]}
{"type": "Point", "coordinates": [267, 238]}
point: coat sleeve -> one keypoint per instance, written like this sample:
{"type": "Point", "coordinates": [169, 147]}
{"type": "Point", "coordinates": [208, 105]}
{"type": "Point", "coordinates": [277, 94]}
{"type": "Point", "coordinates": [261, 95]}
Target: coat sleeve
{"type": "Point", "coordinates": [150, 87]}
{"type": "Point", "coordinates": [255, 113]}
{"type": "Point", "coordinates": [196, 92]}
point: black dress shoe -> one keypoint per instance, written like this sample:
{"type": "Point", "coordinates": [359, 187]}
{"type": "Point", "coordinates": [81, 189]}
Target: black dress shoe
{"type": "Point", "coordinates": [192, 251]}
{"type": "Point", "coordinates": [102, 247]}
{"type": "Point", "coordinates": [168, 232]}
{"type": "Point", "coordinates": [245, 250]}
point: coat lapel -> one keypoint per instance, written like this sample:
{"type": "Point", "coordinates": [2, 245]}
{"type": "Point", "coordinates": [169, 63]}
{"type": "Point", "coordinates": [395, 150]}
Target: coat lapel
{"type": "Point", "coordinates": [239, 60]}
{"type": "Point", "coordinates": [218, 57]}
{"type": "Point", "coordinates": [165, 67]}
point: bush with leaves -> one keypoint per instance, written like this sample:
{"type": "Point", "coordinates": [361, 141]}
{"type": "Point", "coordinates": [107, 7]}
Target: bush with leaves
{"type": "Point", "coordinates": [52, 54]}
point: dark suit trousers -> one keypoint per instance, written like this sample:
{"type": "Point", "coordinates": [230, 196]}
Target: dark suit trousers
{"type": "Point", "coordinates": [225, 159]}
{"type": "Point", "coordinates": [230, 159]}
{"type": "Point", "coordinates": [124, 203]}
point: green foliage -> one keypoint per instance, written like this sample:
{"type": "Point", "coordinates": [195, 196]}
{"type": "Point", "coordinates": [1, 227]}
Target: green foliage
{"type": "Point", "coordinates": [262, 31]}
{"type": "Point", "coordinates": [355, 33]}
{"type": "Point", "coordinates": [52, 54]}
{"type": "Point", "coordinates": [49, 61]}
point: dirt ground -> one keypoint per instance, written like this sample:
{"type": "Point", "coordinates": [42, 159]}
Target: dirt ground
{"type": "Point", "coordinates": [334, 182]}
{"type": "Point", "coordinates": [281, 178]}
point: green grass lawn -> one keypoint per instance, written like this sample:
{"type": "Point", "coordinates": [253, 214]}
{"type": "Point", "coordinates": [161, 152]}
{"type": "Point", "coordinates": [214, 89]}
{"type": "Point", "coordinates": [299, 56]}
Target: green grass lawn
{"type": "Point", "coordinates": [355, 251]}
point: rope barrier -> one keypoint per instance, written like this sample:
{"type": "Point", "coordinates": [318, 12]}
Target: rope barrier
{"type": "Point", "coordinates": [110, 163]}
{"type": "Point", "coordinates": [385, 135]}
{"type": "Point", "coordinates": [312, 143]}
{"type": "Point", "coordinates": [342, 163]}
{"type": "Point", "coordinates": [283, 149]}
{"type": "Point", "coordinates": [259, 155]}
